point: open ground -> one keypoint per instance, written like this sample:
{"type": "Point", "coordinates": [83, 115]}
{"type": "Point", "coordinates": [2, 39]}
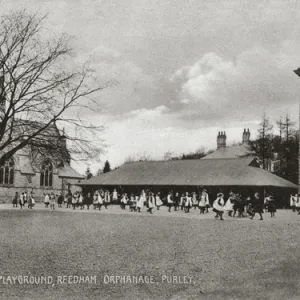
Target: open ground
{"type": "Point", "coordinates": [233, 259]}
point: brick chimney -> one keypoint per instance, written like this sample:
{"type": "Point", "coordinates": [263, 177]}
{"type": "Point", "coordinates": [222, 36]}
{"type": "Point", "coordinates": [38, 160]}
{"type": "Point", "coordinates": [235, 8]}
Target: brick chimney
{"type": "Point", "coordinates": [246, 136]}
{"type": "Point", "coordinates": [221, 139]}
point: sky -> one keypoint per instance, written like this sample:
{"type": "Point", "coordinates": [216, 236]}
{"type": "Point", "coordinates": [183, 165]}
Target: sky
{"type": "Point", "coordinates": [184, 69]}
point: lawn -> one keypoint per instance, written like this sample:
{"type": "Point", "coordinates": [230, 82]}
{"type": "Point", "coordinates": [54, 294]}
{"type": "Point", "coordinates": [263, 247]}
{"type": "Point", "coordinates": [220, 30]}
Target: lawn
{"type": "Point", "coordinates": [234, 259]}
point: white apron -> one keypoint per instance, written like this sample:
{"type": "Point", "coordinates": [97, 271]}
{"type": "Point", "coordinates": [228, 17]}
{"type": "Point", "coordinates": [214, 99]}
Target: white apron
{"type": "Point", "coordinates": [206, 199]}
{"type": "Point", "coordinates": [100, 199]}
{"type": "Point", "coordinates": [217, 206]}
{"type": "Point", "coordinates": [181, 201]}
{"type": "Point", "coordinates": [124, 199]}
{"type": "Point", "coordinates": [158, 201]}
{"type": "Point", "coordinates": [202, 202]}
{"type": "Point", "coordinates": [115, 195]}
{"type": "Point", "coordinates": [95, 199]}
{"type": "Point", "coordinates": [292, 200]}
{"type": "Point", "coordinates": [140, 203]}
{"type": "Point", "coordinates": [229, 205]}
{"type": "Point", "coordinates": [195, 201]}
{"type": "Point", "coordinates": [151, 202]}
{"type": "Point", "coordinates": [46, 200]}
{"type": "Point", "coordinates": [188, 201]}
{"type": "Point", "coordinates": [169, 199]}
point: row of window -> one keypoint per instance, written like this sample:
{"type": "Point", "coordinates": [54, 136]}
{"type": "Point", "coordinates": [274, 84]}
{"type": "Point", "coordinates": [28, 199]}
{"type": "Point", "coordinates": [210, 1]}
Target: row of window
{"type": "Point", "coordinates": [7, 173]}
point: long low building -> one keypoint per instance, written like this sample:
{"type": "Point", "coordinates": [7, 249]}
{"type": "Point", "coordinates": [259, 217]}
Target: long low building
{"type": "Point", "coordinates": [235, 174]}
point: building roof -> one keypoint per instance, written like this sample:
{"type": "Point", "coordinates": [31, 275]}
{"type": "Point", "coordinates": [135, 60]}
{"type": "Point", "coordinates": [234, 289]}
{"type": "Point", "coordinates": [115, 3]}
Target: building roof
{"type": "Point", "coordinates": [236, 151]}
{"type": "Point", "coordinates": [200, 172]}
{"type": "Point", "coordinates": [69, 172]}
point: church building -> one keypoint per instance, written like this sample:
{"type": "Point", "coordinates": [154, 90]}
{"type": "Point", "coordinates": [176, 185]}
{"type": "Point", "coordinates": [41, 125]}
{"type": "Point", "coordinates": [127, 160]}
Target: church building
{"type": "Point", "coordinates": [40, 171]}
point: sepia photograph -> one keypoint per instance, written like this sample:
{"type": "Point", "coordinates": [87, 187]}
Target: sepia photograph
{"type": "Point", "coordinates": [149, 149]}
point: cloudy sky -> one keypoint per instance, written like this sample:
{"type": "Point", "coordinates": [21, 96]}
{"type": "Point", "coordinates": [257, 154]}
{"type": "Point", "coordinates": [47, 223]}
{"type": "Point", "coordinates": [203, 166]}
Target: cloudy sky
{"type": "Point", "coordinates": [185, 69]}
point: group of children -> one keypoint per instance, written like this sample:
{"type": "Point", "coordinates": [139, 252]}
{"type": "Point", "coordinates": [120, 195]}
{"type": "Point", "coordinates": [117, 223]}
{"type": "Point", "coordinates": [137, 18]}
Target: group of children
{"type": "Point", "coordinates": [187, 201]}
{"type": "Point", "coordinates": [149, 199]}
{"type": "Point", "coordinates": [180, 201]}
{"type": "Point", "coordinates": [295, 203]}
{"type": "Point", "coordinates": [23, 199]}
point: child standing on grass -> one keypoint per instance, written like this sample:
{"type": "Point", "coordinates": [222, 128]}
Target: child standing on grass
{"type": "Point", "coordinates": [202, 202]}
{"type": "Point", "coordinates": [15, 200]}
{"type": "Point", "coordinates": [70, 198]}
{"type": "Point", "coordinates": [257, 206]}
{"type": "Point", "coordinates": [46, 200]}
{"type": "Point", "coordinates": [21, 199]}
{"type": "Point", "coordinates": [176, 201]}
{"type": "Point", "coordinates": [115, 196]}
{"type": "Point", "coordinates": [88, 200]}
{"type": "Point", "coordinates": [74, 200]}
{"type": "Point", "coordinates": [182, 201]}
{"type": "Point", "coordinates": [124, 201]}
{"type": "Point", "coordinates": [140, 203]}
{"type": "Point", "coordinates": [106, 199]}
{"type": "Point", "coordinates": [132, 203]}
{"type": "Point", "coordinates": [229, 204]}
{"type": "Point", "coordinates": [218, 206]}
{"type": "Point", "coordinates": [95, 200]}
{"type": "Point", "coordinates": [151, 201]}
{"type": "Point", "coordinates": [52, 201]}
{"type": "Point", "coordinates": [170, 201]}
{"type": "Point", "coordinates": [158, 201]}
{"type": "Point", "coordinates": [293, 202]}
{"type": "Point", "coordinates": [194, 200]}
{"type": "Point", "coordinates": [31, 201]}
{"type": "Point", "coordinates": [100, 200]}
{"type": "Point", "coordinates": [271, 206]}
{"type": "Point", "coordinates": [136, 200]}
{"type": "Point", "coordinates": [188, 202]}
{"type": "Point", "coordinates": [25, 198]}
{"type": "Point", "coordinates": [60, 199]}
{"type": "Point", "coordinates": [207, 200]}
{"type": "Point", "coordinates": [80, 200]}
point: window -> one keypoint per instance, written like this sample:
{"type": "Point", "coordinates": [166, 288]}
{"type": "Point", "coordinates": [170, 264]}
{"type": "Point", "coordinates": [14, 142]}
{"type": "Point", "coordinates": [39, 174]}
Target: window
{"type": "Point", "coordinates": [46, 174]}
{"type": "Point", "coordinates": [7, 173]}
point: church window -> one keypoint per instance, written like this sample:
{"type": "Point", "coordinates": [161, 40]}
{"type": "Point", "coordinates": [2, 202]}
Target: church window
{"type": "Point", "coordinates": [46, 178]}
{"type": "Point", "coordinates": [7, 172]}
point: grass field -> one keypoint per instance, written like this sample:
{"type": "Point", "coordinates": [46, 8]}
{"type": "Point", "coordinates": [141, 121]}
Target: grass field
{"type": "Point", "coordinates": [234, 259]}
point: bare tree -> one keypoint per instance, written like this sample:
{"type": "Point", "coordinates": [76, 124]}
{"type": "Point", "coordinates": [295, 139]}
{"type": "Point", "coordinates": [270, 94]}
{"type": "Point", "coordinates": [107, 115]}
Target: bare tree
{"type": "Point", "coordinates": [262, 146]}
{"type": "Point", "coordinates": [39, 89]}
{"type": "Point", "coordinates": [138, 157]}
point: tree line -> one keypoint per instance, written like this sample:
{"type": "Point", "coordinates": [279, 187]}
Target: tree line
{"type": "Point", "coordinates": [276, 147]}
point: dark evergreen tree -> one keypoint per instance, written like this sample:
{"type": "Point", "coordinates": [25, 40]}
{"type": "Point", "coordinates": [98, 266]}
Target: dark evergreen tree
{"type": "Point", "coordinates": [106, 167]}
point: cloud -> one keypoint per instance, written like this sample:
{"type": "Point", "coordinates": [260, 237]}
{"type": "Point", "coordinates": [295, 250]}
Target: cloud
{"type": "Point", "coordinates": [215, 88]}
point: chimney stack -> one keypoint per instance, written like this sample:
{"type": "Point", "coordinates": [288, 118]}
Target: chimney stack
{"type": "Point", "coordinates": [246, 136]}
{"type": "Point", "coordinates": [221, 140]}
